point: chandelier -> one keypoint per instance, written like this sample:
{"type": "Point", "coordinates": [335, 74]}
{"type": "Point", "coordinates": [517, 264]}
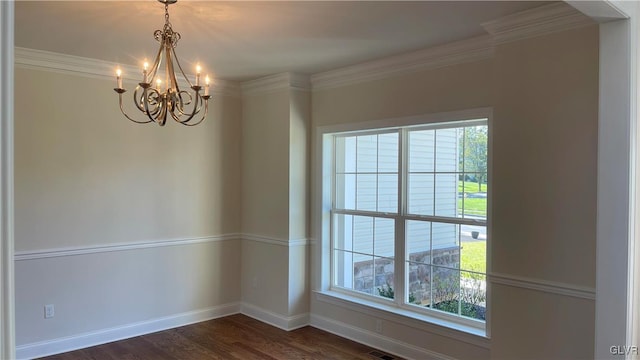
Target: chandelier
{"type": "Point", "coordinates": [156, 103]}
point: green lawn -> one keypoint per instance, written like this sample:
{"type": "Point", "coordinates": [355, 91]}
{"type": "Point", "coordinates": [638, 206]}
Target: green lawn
{"type": "Point", "coordinates": [472, 206]}
{"type": "Point", "coordinates": [473, 256]}
{"type": "Point", "coordinates": [470, 187]}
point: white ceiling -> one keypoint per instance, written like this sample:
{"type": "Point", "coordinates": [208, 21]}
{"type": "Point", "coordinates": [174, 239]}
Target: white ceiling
{"type": "Point", "coordinates": [241, 40]}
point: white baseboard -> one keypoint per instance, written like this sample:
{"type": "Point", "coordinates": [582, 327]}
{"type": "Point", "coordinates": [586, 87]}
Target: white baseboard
{"type": "Point", "coordinates": [375, 340]}
{"type": "Point", "coordinates": [61, 345]}
{"type": "Point", "coordinates": [287, 323]}
{"type": "Point", "coordinates": [57, 346]}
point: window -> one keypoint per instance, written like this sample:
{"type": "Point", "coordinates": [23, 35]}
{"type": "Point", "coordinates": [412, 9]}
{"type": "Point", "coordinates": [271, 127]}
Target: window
{"type": "Point", "coordinates": [408, 217]}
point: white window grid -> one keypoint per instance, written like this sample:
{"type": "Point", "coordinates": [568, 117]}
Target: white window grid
{"type": "Point", "coordinates": [401, 217]}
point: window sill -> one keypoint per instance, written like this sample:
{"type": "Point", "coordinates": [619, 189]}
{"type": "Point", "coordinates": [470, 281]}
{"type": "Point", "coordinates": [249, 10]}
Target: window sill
{"type": "Point", "coordinates": [405, 317]}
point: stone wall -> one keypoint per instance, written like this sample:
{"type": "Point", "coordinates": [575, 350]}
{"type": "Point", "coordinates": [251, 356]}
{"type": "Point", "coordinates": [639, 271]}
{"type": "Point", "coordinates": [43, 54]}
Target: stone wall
{"type": "Point", "coordinates": [374, 276]}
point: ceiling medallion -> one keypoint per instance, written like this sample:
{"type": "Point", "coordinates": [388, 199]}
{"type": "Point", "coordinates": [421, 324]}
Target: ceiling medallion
{"type": "Point", "coordinates": [158, 101]}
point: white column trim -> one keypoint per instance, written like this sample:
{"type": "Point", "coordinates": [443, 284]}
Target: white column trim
{"type": "Point", "coordinates": [616, 169]}
{"type": "Point", "coordinates": [7, 326]}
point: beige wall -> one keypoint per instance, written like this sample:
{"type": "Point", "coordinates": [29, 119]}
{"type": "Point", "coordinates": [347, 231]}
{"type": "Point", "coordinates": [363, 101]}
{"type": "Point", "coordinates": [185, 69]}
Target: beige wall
{"type": "Point", "coordinates": [265, 165]}
{"type": "Point", "coordinates": [275, 170]}
{"type": "Point", "coordinates": [449, 88]}
{"type": "Point", "coordinates": [299, 140]}
{"type": "Point", "coordinates": [87, 176]}
{"type": "Point", "coordinates": [101, 291]}
{"type": "Point", "coordinates": [544, 95]}
{"type": "Point", "coordinates": [545, 134]}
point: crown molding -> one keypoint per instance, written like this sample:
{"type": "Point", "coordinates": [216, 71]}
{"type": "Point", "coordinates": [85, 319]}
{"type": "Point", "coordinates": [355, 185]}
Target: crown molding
{"type": "Point", "coordinates": [275, 82]}
{"type": "Point", "coordinates": [469, 50]}
{"type": "Point", "coordinates": [543, 20]}
{"type": "Point", "coordinates": [94, 68]}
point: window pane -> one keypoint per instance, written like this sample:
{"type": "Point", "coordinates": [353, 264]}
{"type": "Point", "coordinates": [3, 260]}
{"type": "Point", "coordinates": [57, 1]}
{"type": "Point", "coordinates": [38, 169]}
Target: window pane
{"type": "Point", "coordinates": [363, 274]}
{"type": "Point", "coordinates": [447, 150]}
{"type": "Point", "coordinates": [343, 268]}
{"type": "Point", "coordinates": [446, 179]}
{"type": "Point", "coordinates": [366, 186]}
{"type": "Point", "coordinates": [474, 202]}
{"type": "Point", "coordinates": [384, 235]}
{"type": "Point", "coordinates": [446, 195]}
{"type": "Point", "coordinates": [345, 191]}
{"type": "Point", "coordinates": [445, 247]}
{"type": "Point", "coordinates": [473, 248]}
{"type": "Point", "coordinates": [388, 152]}
{"type": "Point", "coordinates": [475, 149]}
{"type": "Point", "coordinates": [473, 291]}
{"type": "Point", "coordinates": [388, 193]}
{"type": "Point", "coordinates": [345, 154]}
{"type": "Point", "coordinates": [363, 234]}
{"type": "Point", "coordinates": [367, 153]}
{"type": "Point", "coordinates": [445, 289]}
{"type": "Point", "coordinates": [383, 277]}
{"type": "Point", "coordinates": [420, 194]}
{"type": "Point", "coordinates": [421, 151]}
{"type": "Point", "coordinates": [419, 284]}
{"type": "Point", "coordinates": [343, 232]}
{"type": "Point", "coordinates": [418, 235]}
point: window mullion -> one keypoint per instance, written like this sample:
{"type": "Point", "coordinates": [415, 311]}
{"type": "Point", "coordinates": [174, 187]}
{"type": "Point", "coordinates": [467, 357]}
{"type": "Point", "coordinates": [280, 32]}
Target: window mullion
{"type": "Point", "coordinates": [400, 239]}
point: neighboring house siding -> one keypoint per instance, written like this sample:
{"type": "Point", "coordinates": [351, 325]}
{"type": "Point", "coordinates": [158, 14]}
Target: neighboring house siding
{"type": "Point", "coordinates": [374, 188]}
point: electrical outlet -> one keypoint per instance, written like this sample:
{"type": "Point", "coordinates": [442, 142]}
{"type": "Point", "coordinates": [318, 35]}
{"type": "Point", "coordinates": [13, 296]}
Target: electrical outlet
{"type": "Point", "coordinates": [379, 326]}
{"type": "Point", "coordinates": [49, 311]}
{"type": "Point", "coordinates": [254, 282]}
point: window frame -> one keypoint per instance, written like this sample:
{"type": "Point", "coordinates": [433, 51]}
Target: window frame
{"type": "Point", "coordinates": [324, 212]}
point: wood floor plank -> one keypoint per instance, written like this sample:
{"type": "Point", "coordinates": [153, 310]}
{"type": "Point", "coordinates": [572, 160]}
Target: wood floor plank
{"type": "Point", "coordinates": [235, 337]}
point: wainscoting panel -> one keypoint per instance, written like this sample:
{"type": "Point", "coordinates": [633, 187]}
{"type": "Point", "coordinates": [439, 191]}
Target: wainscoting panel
{"type": "Point", "coordinates": [102, 296]}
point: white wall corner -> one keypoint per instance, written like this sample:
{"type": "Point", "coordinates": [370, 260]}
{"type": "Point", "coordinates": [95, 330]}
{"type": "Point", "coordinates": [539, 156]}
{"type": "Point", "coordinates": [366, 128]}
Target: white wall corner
{"type": "Point", "coordinates": [95, 68]}
{"type": "Point", "coordinates": [542, 20]}
{"type": "Point", "coordinates": [7, 285]}
{"type": "Point", "coordinates": [276, 82]}
{"type": "Point", "coordinates": [617, 148]}
{"type": "Point", "coordinates": [284, 322]}
{"type": "Point", "coordinates": [286, 80]}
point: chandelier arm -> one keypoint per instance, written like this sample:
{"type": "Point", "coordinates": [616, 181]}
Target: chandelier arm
{"type": "Point", "coordinates": [155, 66]}
{"type": "Point", "coordinates": [197, 108]}
{"type": "Point", "coordinates": [129, 117]}
{"type": "Point", "coordinates": [173, 50]}
{"type": "Point", "coordinates": [190, 116]}
{"type": "Point", "coordinates": [171, 74]}
{"type": "Point", "coordinates": [165, 110]}
{"type": "Point", "coordinates": [157, 108]}
{"type": "Point", "coordinates": [206, 110]}
{"type": "Point", "coordinates": [183, 103]}
{"type": "Point", "coordinates": [139, 100]}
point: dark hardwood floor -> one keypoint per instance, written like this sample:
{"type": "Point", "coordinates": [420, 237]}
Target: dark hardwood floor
{"type": "Point", "coordinates": [231, 337]}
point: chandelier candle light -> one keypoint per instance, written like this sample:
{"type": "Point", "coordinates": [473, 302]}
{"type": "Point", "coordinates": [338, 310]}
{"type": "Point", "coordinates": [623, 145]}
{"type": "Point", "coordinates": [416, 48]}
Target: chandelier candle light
{"type": "Point", "coordinates": [156, 104]}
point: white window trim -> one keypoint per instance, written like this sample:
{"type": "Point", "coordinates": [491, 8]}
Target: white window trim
{"type": "Point", "coordinates": [321, 210]}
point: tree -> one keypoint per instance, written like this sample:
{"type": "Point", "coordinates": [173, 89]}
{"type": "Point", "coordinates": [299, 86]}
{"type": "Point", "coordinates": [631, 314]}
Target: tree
{"type": "Point", "coordinates": [473, 151]}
